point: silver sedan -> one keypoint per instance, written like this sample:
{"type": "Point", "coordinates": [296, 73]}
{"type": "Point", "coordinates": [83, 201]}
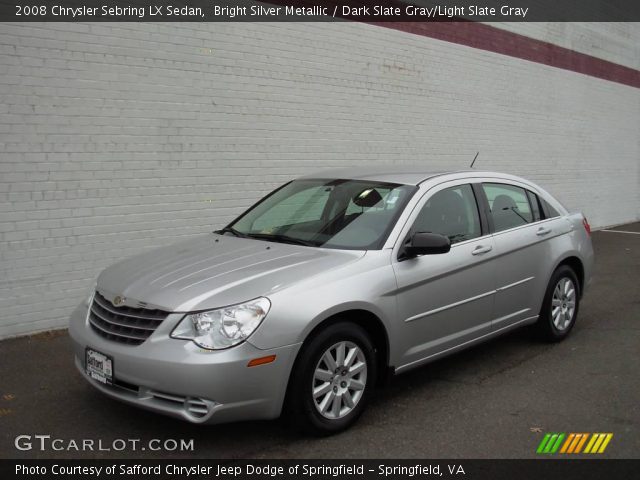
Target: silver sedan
{"type": "Point", "coordinates": [324, 287]}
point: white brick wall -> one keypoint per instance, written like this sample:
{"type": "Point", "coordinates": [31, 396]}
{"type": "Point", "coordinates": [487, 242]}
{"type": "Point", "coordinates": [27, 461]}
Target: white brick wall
{"type": "Point", "coordinates": [115, 138]}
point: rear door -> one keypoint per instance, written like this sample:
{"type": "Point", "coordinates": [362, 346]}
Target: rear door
{"type": "Point", "coordinates": [522, 248]}
{"type": "Point", "coordinates": [445, 300]}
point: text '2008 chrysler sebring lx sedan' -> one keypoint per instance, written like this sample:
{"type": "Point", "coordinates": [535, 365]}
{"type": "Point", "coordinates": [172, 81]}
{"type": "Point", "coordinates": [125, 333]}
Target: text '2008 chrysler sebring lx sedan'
{"type": "Point", "coordinates": [314, 294]}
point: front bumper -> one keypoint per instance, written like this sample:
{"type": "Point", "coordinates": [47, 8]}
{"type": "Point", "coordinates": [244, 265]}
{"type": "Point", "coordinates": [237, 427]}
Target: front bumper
{"type": "Point", "coordinates": [180, 379]}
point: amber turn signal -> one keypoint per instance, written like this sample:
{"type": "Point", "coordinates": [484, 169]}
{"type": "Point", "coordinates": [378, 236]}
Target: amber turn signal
{"type": "Point", "coordinates": [261, 361]}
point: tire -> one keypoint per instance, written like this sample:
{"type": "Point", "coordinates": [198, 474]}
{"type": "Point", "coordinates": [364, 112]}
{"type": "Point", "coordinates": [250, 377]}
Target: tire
{"type": "Point", "coordinates": [560, 306]}
{"type": "Point", "coordinates": [327, 395]}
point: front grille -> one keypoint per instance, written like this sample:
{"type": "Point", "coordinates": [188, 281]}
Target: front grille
{"type": "Point", "coordinates": [123, 324]}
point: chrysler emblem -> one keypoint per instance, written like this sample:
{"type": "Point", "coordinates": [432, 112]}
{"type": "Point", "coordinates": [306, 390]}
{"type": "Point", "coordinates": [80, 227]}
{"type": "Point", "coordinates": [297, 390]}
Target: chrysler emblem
{"type": "Point", "coordinates": [118, 300]}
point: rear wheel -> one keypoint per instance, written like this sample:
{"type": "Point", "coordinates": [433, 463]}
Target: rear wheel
{"type": "Point", "coordinates": [560, 305]}
{"type": "Point", "coordinates": [332, 380]}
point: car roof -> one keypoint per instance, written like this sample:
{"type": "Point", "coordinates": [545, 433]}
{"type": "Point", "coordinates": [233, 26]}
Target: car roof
{"type": "Point", "coordinates": [402, 174]}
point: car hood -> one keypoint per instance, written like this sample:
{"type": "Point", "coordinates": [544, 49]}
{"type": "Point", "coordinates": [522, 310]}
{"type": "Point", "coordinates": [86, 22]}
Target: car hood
{"type": "Point", "coordinates": [211, 271]}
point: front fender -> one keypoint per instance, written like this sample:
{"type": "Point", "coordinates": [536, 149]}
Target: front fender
{"type": "Point", "coordinates": [368, 285]}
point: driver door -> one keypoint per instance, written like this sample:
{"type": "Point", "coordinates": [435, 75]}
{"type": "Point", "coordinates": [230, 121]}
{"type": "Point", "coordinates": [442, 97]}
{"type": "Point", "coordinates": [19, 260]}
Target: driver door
{"type": "Point", "coordinates": [446, 300]}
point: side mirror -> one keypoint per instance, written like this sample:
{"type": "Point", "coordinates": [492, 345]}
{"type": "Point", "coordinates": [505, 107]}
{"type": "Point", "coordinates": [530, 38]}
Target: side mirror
{"type": "Point", "coordinates": [427, 244]}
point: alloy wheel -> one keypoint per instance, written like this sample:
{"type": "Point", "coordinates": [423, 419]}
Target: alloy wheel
{"type": "Point", "coordinates": [563, 303]}
{"type": "Point", "coordinates": [339, 380]}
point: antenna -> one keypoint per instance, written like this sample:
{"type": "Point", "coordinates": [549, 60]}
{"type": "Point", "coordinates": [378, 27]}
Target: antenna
{"type": "Point", "coordinates": [474, 160]}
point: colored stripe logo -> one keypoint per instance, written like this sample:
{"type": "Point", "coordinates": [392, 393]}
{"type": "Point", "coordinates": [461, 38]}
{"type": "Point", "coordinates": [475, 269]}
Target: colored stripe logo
{"type": "Point", "coordinates": [574, 443]}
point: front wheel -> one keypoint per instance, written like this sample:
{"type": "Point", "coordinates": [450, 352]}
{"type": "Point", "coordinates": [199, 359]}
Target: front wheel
{"type": "Point", "coordinates": [332, 379]}
{"type": "Point", "coordinates": [560, 305]}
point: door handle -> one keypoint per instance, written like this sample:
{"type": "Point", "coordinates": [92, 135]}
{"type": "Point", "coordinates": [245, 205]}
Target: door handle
{"type": "Point", "coordinates": [543, 231]}
{"type": "Point", "coordinates": [481, 249]}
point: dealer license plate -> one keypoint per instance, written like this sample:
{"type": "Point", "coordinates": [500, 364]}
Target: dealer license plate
{"type": "Point", "coordinates": [99, 366]}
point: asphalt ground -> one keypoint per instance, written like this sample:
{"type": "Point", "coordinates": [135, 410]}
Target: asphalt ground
{"type": "Point", "coordinates": [492, 401]}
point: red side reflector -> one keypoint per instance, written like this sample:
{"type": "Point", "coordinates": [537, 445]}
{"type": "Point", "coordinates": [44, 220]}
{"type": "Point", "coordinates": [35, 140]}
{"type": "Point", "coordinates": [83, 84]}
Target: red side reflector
{"type": "Point", "coordinates": [261, 361]}
{"type": "Point", "coordinates": [587, 227]}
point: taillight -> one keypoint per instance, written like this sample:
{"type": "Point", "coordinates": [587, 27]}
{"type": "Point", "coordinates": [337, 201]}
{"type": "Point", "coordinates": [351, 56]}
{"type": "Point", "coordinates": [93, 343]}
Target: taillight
{"type": "Point", "coordinates": [587, 227]}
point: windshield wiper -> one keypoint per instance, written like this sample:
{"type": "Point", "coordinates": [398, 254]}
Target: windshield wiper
{"type": "Point", "coordinates": [270, 237]}
{"type": "Point", "coordinates": [267, 236]}
{"type": "Point", "coordinates": [232, 231]}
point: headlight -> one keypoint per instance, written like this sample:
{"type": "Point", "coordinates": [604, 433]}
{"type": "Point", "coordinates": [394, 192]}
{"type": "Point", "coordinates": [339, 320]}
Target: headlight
{"type": "Point", "coordinates": [224, 327]}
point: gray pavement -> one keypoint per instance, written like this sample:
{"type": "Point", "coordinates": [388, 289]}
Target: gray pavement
{"type": "Point", "coordinates": [492, 401]}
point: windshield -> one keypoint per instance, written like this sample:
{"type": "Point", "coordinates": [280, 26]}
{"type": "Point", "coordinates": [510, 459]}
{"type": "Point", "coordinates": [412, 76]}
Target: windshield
{"type": "Point", "coordinates": [345, 214]}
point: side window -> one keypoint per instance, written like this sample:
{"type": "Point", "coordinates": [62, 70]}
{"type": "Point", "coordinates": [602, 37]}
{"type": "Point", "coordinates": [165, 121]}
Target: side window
{"type": "Point", "coordinates": [452, 212]}
{"type": "Point", "coordinates": [549, 211]}
{"type": "Point", "coordinates": [508, 204]}
{"type": "Point", "coordinates": [535, 206]}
